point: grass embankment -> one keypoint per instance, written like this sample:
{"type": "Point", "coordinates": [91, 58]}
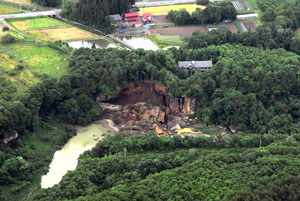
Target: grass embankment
{"type": "Point", "coordinates": [37, 148]}
{"type": "Point", "coordinates": [166, 41]}
{"type": "Point", "coordinates": [163, 10]}
{"type": "Point", "coordinates": [45, 28]}
{"type": "Point", "coordinates": [24, 64]}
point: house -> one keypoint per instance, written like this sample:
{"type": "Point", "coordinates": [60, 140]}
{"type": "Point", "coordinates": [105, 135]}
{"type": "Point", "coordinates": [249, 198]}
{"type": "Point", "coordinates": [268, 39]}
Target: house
{"type": "Point", "coordinates": [137, 24]}
{"type": "Point", "coordinates": [193, 66]}
{"type": "Point", "coordinates": [247, 16]}
{"type": "Point", "coordinates": [116, 17]}
{"type": "Point", "coordinates": [132, 16]}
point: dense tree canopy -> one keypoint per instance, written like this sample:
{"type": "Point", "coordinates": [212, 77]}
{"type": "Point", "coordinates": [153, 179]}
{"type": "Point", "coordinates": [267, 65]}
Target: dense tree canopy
{"type": "Point", "coordinates": [212, 14]}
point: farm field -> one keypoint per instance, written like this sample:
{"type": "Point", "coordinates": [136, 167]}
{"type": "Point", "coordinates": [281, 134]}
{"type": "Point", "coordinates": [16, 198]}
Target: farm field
{"type": "Point", "coordinates": [24, 63]}
{"type": "Point", "coordinates": [36, 23]}
{"type": "Point", "coordinates": [185, 31]}
{"type": "Point", "coordinates": [67, 33]}
{"type": "Point", "coordinates": [165, 41]}
{"type": "Point", "coordinates": [45, 28]}
{"type": "Point", "coordinates": [7, 10]}
{"type": "Point", "coordinates": [163, 10]}
{"type": "Point", "coordinates": [25, 2]}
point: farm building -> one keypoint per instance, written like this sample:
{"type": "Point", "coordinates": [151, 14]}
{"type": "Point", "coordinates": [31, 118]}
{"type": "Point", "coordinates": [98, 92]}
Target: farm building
{"type": "Point", "coordinates": [138, 24]}
{"type": "Point", "coordinates": [193, 66]}
{"type": "Point", "coordinates": [247, 16]}
{"type": "Point", "coordinates": [132, 16]}
{"type": "Point", "coordinates": [116, 17]}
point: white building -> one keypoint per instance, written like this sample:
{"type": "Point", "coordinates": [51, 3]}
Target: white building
{"type": "Point", "coordinates": [247, 16]}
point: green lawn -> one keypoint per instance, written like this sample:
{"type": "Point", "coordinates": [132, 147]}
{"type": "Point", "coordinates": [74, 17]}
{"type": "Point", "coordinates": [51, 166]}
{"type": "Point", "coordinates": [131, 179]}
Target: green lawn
{"type": "Point", "coordinates": [165, 41]}
{"type": "Point", "coordinates": [36, 61]}
{"type": "Point", "coordinates": [25, 24]}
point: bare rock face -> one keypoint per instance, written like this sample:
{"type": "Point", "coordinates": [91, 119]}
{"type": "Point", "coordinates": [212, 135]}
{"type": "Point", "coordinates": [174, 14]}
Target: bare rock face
{"type": "Point", "coordinates": [189, 105]}
{"type": "Point", "coordinates": [11, 138]}
{"type": "Point", "coordinates": [147, 107]}
{"type": "Point", "coordinates": [174, 105]}
{"type": "Point", "coordinates": [157, 129]}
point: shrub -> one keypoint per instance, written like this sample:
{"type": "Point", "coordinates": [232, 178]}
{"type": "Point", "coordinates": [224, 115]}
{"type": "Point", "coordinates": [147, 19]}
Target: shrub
{"type": "Point", "coordinates": [7, 38]}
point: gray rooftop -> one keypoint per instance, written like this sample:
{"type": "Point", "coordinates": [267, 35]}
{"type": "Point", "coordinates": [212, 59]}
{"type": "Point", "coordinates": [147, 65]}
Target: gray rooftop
{"type": "Point", "coordinates": [116, 17]}
{"type": "Point", "coordinates": [196, 64]}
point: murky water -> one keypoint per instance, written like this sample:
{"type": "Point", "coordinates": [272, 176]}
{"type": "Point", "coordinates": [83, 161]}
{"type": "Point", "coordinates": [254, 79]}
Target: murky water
{"type": "Point", "coordinates": [99, 43]}
{"type": "Point", "coordinates": [139, 42]}
{"type": "Point", "coordinates": [66, 158]}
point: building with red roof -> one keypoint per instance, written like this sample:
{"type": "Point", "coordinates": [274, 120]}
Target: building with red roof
{"type": "Point", "coordinates": [138, 24]}
{"type": "Point", "coordinates": [132, 16]}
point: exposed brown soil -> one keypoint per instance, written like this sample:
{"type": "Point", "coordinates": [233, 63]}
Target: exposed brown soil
{"type": "Point", "coordinates": [161, 20]}
{"type": "Point", "coordinates": [148, 92]}
{"type": "Point", "coordinates": [185, 31]}
{"type": "Point", "coordinates": [232, 28]}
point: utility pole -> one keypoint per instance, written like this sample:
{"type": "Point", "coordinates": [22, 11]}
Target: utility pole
{"type": "Point", "coordinates": [20, 6]}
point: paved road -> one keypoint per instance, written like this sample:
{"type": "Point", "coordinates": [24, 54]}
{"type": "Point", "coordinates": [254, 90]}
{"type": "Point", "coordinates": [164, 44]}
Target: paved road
{"type": "Point", "coordinates": [31, 14]}
{"type": "Point", "coordinates": [162, 3]}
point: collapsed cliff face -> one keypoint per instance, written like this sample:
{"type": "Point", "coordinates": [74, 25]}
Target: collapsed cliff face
{"type": "Point", "coordinates": [146, 106]}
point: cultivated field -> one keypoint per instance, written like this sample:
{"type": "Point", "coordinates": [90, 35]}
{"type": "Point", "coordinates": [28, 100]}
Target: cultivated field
{"type": "Point", "coordinates": [166, 41]}
{"type": "Point", "coordinates": [45, 28]}
{"type": "Point", "coordinates": [7, 10]}
{"type": "Point", "coordinates": [35, 61]}
{"type": "Point", "coordinates": [185, 31]}
{"type": "Point", "coordinates": [25, 2]}
{"type": "Point", "coordinates": [67, 33]}
{"type": "Point", "coordinates": [36, 23]}
{"type": "Point", "coordinates": [163, 10]}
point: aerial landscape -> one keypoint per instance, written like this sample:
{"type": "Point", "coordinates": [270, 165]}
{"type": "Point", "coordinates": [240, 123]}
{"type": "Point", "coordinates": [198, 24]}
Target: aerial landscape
{"type": "Point", "coordinates": [149, 100]}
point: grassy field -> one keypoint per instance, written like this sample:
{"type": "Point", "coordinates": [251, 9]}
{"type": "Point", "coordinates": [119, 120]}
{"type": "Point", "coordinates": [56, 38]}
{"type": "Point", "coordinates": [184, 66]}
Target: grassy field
{"type": "Point", "coordinates": [166, 41]}
{"type": "Point", "coordinates": [68, 33]}
{"type": "Point", "coordinates": [163, 10]}
{"type": "Point", "coordinates": [35, 61]}
{"type": "Point", "coordinates": [45, 28]}
{"type": "Point", "coordinates": [24, 2]}
{"type": "Point", "coordinates": [25, 24]}
{"type": "Point", "coordinates": [7, 10]}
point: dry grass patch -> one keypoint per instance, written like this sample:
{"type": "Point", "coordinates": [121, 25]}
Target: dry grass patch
{"type": "Point", "coordinates": [36, 23]}
{"type": "Point", "coordinates": [163, 10]}
{"type": "Point", "coordinates": [26, 2]}
{"type": "Point", "coordinates": [6, 10]}
{"type": "Point", "coordinates": [67, 33]}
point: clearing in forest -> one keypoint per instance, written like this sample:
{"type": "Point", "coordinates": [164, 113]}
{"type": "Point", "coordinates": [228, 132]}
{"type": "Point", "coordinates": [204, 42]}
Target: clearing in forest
{"type": "Point", "coordinates": [67, 33]}
{"type": "Point", "coordinates": [25, 24]}
{"type": "Point", "coordinates": [24, 63]}
{"type": "Point", "coordinates": [163, 10]}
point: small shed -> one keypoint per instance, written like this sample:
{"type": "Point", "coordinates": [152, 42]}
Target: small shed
{"type": "Point", "coordinates": [138, 24]}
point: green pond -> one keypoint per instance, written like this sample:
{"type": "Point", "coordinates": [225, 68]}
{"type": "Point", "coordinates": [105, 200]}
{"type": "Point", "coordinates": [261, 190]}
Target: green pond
{"type": "Point", "coordinates": [67, 158]}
